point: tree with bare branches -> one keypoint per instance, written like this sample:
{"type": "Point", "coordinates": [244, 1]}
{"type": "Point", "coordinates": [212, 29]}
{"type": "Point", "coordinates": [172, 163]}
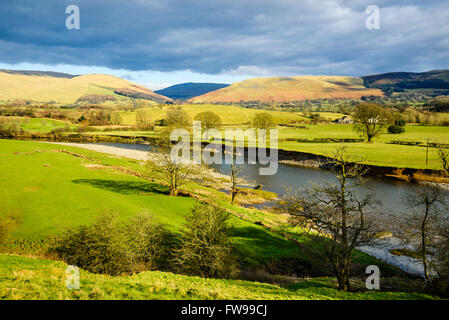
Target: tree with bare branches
{"type": "Point", "coordinates": [334, 215]}
{"type": "Point", "coordinates": [422, 226]}
{"type": "Point", "coordinates": [443, 153]}
{"type": "Point", "coordinates": [174, 172]}
{"type": "Point", "coordinates": [235, 171]}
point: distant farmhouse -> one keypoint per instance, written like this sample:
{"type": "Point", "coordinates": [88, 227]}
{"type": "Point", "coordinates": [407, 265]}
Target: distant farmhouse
{"type": "Point", "coordinates": [345, 119]}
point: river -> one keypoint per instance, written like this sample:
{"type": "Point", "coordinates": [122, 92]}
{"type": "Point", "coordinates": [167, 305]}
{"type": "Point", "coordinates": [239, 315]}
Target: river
{"type": "Point", "coordinates": [388, 191]}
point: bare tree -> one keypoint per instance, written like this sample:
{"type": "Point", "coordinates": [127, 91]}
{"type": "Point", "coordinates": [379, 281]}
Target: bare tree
{"type": "Point", "coordinates": [440, 263]}
{"type": "Point", "coordinates": [143, 118]}
{"type": "Point", "coordinates": [443, 152]}
{"type": "Point", "coordinates": [421, 227]}
{"type": "Point", "coordinates": [336, 216]}
{"type": "Point", "coordinates": [235, 180]}
{"type": "Point", "coordinates": [264, 121]}
{"type": "Point", "coordinates": [174, 172]}
{"type": "Point", "coordinates": [177, 117]}
{"type": "Point", "coordinates": [116, 118]}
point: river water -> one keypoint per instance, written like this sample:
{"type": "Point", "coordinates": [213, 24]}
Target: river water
{"type": "Point", "coordinates": [389, 192]}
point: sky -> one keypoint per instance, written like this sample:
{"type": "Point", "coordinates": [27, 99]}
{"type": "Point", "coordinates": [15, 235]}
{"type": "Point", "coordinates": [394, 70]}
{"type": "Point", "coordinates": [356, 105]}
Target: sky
{"type": "Point", "coordinates": [158, 43]}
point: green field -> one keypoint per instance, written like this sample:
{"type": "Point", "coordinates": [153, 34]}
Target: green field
{"type": "Point", "coordinates": [28, 278]}
{"type": "Point", "coordinates": [53, 191]}
{"type": "Point", "coordinates": [380, 153]}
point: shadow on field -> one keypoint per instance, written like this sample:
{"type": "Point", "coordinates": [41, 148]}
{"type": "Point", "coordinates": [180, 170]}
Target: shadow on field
{"type": "Point", "coordinates": [124, 187]}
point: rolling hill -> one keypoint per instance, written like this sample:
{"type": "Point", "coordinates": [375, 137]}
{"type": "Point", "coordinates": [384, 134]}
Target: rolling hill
{"type": "Point", "coordinates": [189, 90]}
{"type": "Point", "coordinates": [282, 89]}
{"type": "Point", "coordinates": [41, 86]}
{"type": "Point", "coordinates": [398, 81]}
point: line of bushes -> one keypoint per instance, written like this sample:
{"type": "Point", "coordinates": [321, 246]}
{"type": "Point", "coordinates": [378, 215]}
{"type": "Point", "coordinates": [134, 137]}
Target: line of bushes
{"type": "Point", "coordinates": [110, 247]}
{"type": "Point", "coordinates": [324, 140]}
{"type": "Point", "coordinates": [418, 143]}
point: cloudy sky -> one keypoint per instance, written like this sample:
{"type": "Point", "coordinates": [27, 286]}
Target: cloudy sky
{"type": "Point", "coordinates": [162, 42]}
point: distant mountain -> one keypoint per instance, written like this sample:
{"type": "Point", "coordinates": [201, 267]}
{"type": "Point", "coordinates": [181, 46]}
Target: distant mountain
{"type": "Point", "coordinates": [400, 81]}
{"type": "Point", "coordinates": [185, 91]}
{"type": "Point", "coordinates": [44, 86]}
{"type": "Point", "coordinates": [283, 89]}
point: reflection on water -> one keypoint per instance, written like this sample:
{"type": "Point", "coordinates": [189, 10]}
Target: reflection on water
{"type": "Point", "coordinates": [389, 192]}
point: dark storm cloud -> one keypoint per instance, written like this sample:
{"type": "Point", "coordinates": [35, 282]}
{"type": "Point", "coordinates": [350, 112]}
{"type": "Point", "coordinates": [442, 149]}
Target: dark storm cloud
{"type": "Point", "coordinates": [248, 37]}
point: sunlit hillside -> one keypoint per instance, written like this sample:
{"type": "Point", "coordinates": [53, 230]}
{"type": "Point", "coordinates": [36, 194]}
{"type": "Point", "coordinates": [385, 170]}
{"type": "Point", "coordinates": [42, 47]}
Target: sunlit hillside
{"type": "Point", "coordinates": [289, 89]}
{"type": "Point", "coordinates": [46, 88]}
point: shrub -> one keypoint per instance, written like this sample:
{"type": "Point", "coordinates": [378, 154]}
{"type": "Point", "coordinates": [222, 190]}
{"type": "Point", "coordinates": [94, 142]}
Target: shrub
{"type": "Point", "coordinates": [395, 129]}
{"type": "Point", "coordinates": [10, 127]}
{"type": "Point", "coordinates": [206, 249]}
{"type": "Point", "coordinates": [162, 123]}
{"type": "Point", "coordinates": [98, 248]}
{"type": "Point", "coordinates": [113, 248]}
{"type": "Point", "coordinates": [400, 122]}
{"type": "Point", "coordinates": [151, 244]}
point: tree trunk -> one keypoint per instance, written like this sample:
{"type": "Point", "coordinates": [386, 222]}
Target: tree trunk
{"type": "Point", "coordinates": [423, 243]}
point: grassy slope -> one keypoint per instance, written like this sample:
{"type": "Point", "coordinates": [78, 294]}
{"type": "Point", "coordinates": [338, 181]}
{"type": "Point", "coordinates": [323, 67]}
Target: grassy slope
{"type": "Point", "coordinates": [61, 90]}
{"type": "Point", "coordinates": [289, 89]}
{"type": "Point", "coordinates": [40, 124]}
{"type": "Point", "coordinates": [29, 278]}
{"type": "Point", "coordinates": [53, 191]}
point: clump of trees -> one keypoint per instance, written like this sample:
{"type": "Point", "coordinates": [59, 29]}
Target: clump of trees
{"type": "Point", "coordinates": [397, 127]}
{"type": "Point", "coordinates": [334, 215]}
{"type": "Point", "coordinates": [370, 119]}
